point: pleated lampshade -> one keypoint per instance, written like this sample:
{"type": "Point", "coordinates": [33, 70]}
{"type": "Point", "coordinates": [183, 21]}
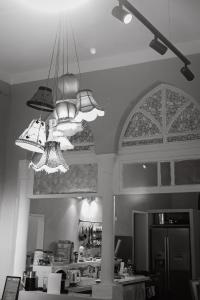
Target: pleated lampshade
{"type": "Point", "coordinates": [88, 109]}
{"type": "Point", "coordinates": [68, 85]}
{"type": "Point", "coordinates": [34, 137]}
{"type": "Point", "coordinates": [42, 99]}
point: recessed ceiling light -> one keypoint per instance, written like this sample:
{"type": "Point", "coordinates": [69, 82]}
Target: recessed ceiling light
{"type": "Point", "coordinates": [93, 51]}
{"type": "Point", "coordinates": [53, 6]}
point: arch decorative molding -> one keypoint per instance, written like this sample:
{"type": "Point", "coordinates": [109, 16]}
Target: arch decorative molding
{"type": "Point", "coordinates": [164, 115]}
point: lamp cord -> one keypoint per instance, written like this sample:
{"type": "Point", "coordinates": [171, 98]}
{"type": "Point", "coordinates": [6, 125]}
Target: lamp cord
{"type": "Point", "coordinates": [76, 53]}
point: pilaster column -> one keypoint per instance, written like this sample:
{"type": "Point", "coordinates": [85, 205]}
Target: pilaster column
{"type": "Point", "coordinates": [105, 190]}
{"type": "Point", "coordinates": [25, 182]}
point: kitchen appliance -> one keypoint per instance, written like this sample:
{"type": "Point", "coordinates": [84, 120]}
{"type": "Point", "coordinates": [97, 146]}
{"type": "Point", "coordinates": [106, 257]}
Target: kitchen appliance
{"type": "Point", "coordinates": [30, 280]}
{"type": "Point", "coordinates": [74, 277]}
{"type": "Point", "coordinates": [170, 258]}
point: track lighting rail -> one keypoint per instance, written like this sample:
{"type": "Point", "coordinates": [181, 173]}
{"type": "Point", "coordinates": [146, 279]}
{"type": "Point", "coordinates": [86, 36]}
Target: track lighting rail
{"type": "Point", "coordinates": [154, 30]}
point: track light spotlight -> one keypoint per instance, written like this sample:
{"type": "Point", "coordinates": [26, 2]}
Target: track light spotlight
{"type": "Point", "coordinates": [187, 73]}
{"type": "Point", "coordinates": [121, 14]}
{"type": "Point", "coordinates": [158, 46]}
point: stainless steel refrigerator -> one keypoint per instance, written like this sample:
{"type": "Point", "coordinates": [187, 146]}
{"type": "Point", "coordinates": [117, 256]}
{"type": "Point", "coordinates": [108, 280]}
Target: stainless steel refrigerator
{"type": "Point", "coordinates": [170, 259]}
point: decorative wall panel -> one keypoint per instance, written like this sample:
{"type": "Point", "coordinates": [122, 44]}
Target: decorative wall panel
{"type": "Point", "coordinates": [81, 178]}
{"type": "Point", "coordinates": [166, 114]}
{"type": "Point", "coordinates": [84, 140]}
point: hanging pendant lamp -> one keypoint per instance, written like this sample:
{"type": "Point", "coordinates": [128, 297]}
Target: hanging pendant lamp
{"type": "Point", "coordinates": [63, 140]}
{"type": "Point", "coordinates": [68, 84]}
{"type": "Point", "coordinates": [65, 113]}
{"type": "Point", "coordinates": [42, 99]}
{"type": "Point", "coordinates": [51, 160]}
{"type": "Point", "coordinates": [34, 137]}
{"type": "Point", "coordinates": [88, 108]}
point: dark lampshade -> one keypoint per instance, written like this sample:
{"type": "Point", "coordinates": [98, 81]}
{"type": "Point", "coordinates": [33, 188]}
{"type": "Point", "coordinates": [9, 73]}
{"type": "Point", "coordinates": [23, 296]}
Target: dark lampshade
{"type": "Point", "coordinates": [42, 99]}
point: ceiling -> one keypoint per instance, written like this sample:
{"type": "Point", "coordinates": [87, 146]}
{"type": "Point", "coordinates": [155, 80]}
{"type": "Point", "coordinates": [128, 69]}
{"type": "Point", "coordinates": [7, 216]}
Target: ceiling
{"type": "Point", "coordinates": [27, 35]}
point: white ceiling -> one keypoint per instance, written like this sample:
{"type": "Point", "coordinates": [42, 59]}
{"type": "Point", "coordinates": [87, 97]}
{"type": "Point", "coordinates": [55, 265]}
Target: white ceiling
{"type": "Point", "coordinates": [27, 36]}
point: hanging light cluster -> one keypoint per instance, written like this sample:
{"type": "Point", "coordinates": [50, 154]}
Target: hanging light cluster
{"type": "Point", "coordinates": [68, 108]}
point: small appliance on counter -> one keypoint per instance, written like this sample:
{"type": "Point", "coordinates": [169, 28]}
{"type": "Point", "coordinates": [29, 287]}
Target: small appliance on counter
{"type": "Point", "coordinates": [54, 283]}
{"type": "Point", "coordinates": [30, 280]}
{"type": "Point", "coordinates": [74, 277]}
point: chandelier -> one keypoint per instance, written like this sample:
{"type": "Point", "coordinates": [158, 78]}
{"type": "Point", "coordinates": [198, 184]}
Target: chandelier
{"type": "Point", "coordinates": [68, 105]}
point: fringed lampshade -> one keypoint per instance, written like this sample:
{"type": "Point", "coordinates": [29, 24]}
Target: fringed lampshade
{"type": "Point", "coordinates": [42, 99]}
{"type": "Point", "coordinates": [51, 160]}
{"type": "Point", "coordinates": [34, 137]}
{"type": "Point", "coordinates": [88, 108]}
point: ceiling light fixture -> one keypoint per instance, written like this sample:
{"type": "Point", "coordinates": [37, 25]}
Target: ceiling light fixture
{"type": "Point", "coordinates": [187, 73]}
{"type": "Point", "coordinates": [158, 46]}
{"type": "Point", "coordinates": [162, 39]}
{"type": "Point", "coordinates": [69, 107]}
{"type": "Point", "coordinates": [121, 14]}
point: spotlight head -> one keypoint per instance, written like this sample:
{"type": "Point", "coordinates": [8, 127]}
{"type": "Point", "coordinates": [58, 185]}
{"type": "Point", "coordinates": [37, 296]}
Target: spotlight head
{"type": "Point", "coordinates": [158, 46]}
{"type": "Point", "coordinates": [187, 73]}
{"type": "Point", "coordinates": [121, 14]}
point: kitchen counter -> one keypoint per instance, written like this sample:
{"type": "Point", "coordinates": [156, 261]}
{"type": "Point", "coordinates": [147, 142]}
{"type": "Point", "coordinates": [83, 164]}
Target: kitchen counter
{"type": "Point", "coordinates": [131, 279]}
{"type": "Point", "coordinates": [130, 284]}
{"type": "Point", "coordinates": [38, 295]}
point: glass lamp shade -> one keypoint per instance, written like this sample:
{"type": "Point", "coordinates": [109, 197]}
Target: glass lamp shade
{"type": "Point", "coordinates": [68, 85]}
{"type": "Point", "coordinates": [88, 109]}
{"type": "Point", "coordinates": [42, 99]}
{"type": "Point", "coordinates": [34, 137]}
{"type": "Point", "coordinates": [66, 109]}
{"type": "Point", "coordinates": [51, 161]}
{"type": "Point", "coordinates": [65, 113]}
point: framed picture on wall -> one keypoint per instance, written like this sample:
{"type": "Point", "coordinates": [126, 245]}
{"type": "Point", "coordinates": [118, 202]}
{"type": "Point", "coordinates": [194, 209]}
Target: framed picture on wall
{"type": "Point", "coordinates": [11, 288]}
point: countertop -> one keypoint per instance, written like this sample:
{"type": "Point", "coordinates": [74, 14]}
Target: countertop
{"type": "Point", "coordinates": [75, 292]}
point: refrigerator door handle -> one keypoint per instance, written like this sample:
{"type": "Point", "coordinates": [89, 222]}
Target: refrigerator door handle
{"type": "Point", "coordinates": [168, 262]}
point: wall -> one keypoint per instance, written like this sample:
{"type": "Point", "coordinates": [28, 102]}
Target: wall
{"type": "Point", "coordinates": [62, 217]}
{"type": "Point", "coordinates": [116, 90]}
{"type": "Point", "coordinates": [4, 119]}
{"type": "Point", "coordinates": [125, 204]}
{"type": "Point", "coordinates": [5, 103]}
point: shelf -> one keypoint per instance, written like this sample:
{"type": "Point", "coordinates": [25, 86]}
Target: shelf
{"type": "Point", "coordinates": [170, 225]}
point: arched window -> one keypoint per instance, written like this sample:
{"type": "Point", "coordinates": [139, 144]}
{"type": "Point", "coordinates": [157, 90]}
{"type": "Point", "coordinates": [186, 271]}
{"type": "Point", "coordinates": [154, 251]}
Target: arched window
{"type": "Point", "coordinates": [159, 145]}
{"type": "Point", "coordinates": [164, 115]}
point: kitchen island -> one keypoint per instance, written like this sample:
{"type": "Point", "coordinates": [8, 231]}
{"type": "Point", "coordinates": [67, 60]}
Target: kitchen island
{"type": "Point", "coordinates": [131, 287]}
